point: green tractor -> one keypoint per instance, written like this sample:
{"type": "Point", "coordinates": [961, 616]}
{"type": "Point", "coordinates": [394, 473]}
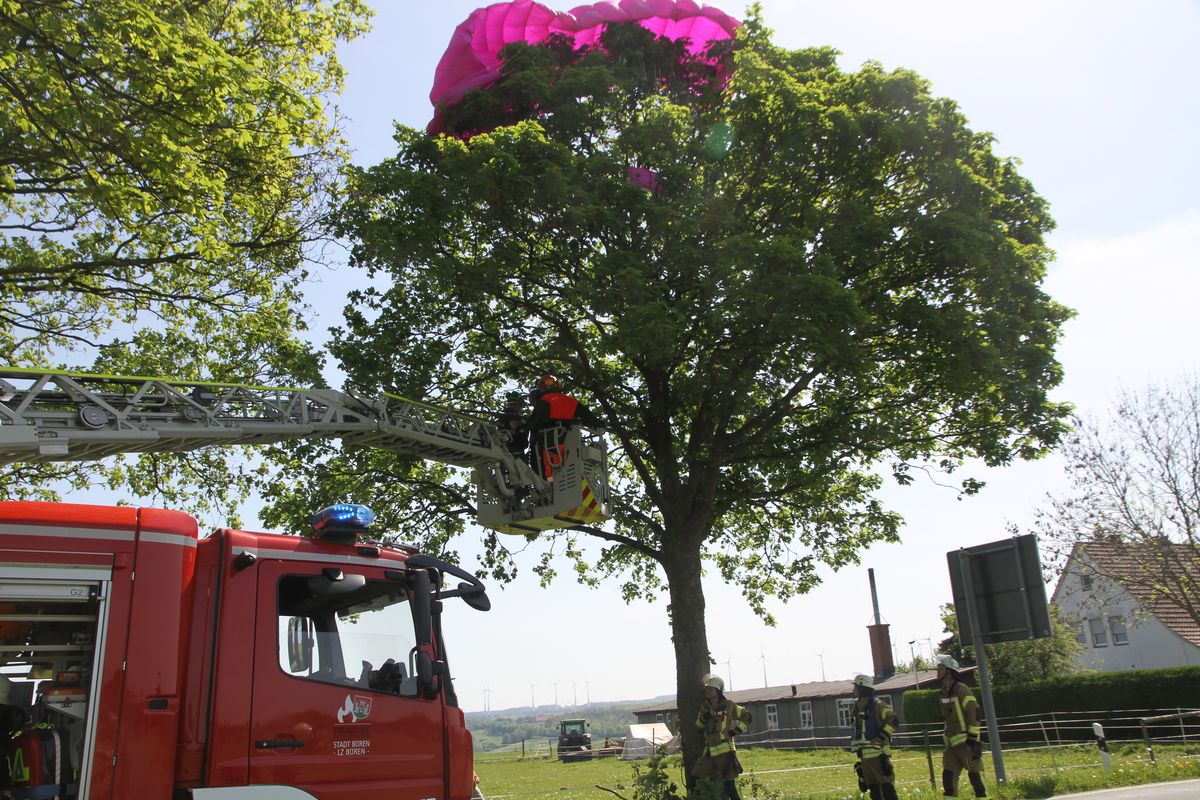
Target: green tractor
{"type": "Point", "coordinates": [574, 742]}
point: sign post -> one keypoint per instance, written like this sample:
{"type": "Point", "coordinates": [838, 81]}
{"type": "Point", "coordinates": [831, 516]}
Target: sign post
{"type": "Point", "coordinates": [985, 681]}
{"type": "Point", "coordinates": [999, 596]}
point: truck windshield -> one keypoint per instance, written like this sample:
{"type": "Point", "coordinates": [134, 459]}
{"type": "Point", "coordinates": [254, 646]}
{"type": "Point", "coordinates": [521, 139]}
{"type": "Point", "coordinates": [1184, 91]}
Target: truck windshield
{"type": "Point", "coordinates": [364, 637]}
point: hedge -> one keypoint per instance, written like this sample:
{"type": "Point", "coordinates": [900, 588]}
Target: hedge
{"type": "Point", "coordinates": [1096, 691]}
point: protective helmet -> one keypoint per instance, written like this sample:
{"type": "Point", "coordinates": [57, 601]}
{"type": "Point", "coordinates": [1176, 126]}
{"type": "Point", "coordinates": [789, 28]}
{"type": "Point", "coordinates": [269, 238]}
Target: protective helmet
{"type": "Point", "coordinates": [866, 681]}
{"type": "Point", "coordinates": [547, 382]}
{"type": "Point", "coordinates": [714, 681]}
{"type": "Point", "coordinates": [946, 660]}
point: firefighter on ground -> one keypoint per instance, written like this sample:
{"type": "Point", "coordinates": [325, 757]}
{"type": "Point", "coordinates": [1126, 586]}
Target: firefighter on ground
{"type": "Point", "coordinates": [963, 750]}
{"type": "Point", "coordinates": [873, 723]}
{"type": "Point", "coordinates": [720, 719]}
{"type": "Point", "coordinates": [553, 413]}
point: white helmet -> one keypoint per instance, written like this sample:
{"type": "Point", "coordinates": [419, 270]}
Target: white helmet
{"type": "Point", "coordinates": [714, 681]}
{"type": "Point", "coordinates": [866, 681]}
{"type": "Point", "coordinates": [946, 660]}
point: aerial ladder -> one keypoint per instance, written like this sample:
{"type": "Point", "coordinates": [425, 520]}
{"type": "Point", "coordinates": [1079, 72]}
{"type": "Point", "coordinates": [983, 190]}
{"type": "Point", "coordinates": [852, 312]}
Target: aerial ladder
{"type": "Point", "coordinates": [51, 415]}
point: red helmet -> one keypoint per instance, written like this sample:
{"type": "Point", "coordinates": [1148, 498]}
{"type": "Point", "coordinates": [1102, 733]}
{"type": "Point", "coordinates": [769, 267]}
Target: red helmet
{"type": "Point", "coordinates": [547, 382]}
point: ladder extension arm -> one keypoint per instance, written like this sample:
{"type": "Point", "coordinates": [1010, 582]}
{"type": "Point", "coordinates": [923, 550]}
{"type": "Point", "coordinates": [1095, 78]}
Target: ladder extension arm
{"type": "Point", "coordinates": [50, 415]}
{"type": "Point", "coordinates": [61, 416]}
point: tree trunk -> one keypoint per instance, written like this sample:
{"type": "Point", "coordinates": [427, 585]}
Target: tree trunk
{"type": "Point", "coordinates": [688, 633]}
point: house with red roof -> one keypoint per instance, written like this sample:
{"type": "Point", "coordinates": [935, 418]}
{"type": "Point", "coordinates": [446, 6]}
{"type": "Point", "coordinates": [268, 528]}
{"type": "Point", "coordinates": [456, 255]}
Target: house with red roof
{"type": "Point", "coordinates": [1136, 605]}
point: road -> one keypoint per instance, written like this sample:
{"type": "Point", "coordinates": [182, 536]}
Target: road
{"type": "Point", "coordinates": [1176, 790]}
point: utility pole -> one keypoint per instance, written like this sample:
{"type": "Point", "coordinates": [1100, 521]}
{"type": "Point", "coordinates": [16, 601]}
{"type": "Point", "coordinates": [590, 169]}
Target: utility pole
{"type": "Point", "coordinates": [763, 659]}
{"type": "Point", "coordinates": [821, 656]}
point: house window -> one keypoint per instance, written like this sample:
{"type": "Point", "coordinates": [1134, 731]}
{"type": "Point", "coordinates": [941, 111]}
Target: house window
{"type": "Point", "coordinates": [806, 717]}
{"type": "Point", "coordinates": [1099, 635]}
{"type": "Point", "coordinates": [1081, 633]}
{"type": "Point", "coordinates": [845, 710]}
{"type": "Point", "coordinates": [1120, 635]}
{"type": "Point", "coordinates": [658, 718]}
{"type": "Point", "coordinates": [887, 700]}
{"type": "Point", "coordinates": [772, 717]}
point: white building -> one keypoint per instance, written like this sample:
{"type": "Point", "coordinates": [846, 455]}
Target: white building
{"type": "Point", "coordinates": [1120, 620]}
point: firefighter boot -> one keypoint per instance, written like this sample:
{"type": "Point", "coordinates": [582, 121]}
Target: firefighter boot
{"type": "Point", "coordinates": [949, 784]}
{"type": "Point", "coordinates": [977, 784]}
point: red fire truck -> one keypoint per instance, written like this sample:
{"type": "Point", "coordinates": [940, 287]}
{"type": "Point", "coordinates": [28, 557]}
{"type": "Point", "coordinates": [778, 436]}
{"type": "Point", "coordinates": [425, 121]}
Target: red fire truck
{"type": "Point", "coordinates": [141, 660]}
{"type": "Point", "coordinates": [144, 662]}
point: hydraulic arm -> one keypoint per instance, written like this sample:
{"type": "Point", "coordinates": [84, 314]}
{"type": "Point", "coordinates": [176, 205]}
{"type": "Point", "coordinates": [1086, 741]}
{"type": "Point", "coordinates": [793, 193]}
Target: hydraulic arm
{"type": "Point", "coordinates": [65, 416]}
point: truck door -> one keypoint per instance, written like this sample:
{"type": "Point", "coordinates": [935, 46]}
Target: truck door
{"type": "Point", "coordinates": [329, 711]}
{"type": "Point", "coordinates": [52, 631]}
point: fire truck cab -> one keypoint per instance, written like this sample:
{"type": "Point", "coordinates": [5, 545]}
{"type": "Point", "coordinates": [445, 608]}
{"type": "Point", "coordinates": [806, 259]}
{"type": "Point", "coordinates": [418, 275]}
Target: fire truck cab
{"type": "Point", "coordinates": [141, 660]}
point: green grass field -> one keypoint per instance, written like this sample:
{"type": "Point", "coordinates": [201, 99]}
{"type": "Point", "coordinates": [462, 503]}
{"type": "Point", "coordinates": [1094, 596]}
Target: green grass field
{"type": "Point", "coordinates": [828, 775]}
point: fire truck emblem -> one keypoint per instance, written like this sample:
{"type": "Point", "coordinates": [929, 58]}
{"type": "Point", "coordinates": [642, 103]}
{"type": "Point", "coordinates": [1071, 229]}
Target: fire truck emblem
{"type": "Point", "coordinates": [355, 708]}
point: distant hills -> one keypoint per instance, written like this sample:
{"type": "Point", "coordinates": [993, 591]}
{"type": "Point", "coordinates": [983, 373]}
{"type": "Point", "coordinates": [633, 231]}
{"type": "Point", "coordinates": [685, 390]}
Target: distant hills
{"type": "Point", "coordinates": [492, 729]}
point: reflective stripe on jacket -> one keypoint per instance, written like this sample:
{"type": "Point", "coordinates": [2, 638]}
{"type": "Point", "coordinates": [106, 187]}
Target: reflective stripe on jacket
{"type": "Point", "coordinates": [868, 725]}
{"type": "Point", "coordinates": [961, 711]}
{"type": "Point", "coordinates": [716, 722]}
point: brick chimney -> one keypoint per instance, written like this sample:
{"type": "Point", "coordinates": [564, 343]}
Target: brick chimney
{"type": "Point", "coordinates": [881, 639]}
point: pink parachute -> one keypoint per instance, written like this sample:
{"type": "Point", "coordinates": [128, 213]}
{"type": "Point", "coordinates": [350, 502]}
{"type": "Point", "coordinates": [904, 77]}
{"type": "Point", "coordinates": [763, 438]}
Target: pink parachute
{"type": "Point", "coordinates": [472, 60]}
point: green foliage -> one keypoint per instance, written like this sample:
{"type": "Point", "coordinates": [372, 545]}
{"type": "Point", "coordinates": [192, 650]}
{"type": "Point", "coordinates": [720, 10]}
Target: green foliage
{"type": "Point", "coordinates": [163, 169]}
{"type": "Point", "coordinates": [1020, 661]}
{"type": "Point", "coordinates": [1127, 690]}
{"type": "Point", "coordinates": [653, 782]}
{"type": "Point", "coordinates": [854, 278]}
{"type": "Point", "coordinates": [837, 273]}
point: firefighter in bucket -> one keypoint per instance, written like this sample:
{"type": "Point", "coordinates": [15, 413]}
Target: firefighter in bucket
{"type": "Point", "coordinates": [554, 412]}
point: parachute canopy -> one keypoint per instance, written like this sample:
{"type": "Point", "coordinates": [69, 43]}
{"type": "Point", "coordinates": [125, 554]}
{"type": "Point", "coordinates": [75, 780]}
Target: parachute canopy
{"type": "Point", "coordinates": [472, 60]}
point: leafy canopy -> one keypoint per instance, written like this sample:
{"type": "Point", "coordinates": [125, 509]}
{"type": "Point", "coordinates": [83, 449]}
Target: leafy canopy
{"type": "Point", "coordinates": [163, 167]}
{"type": "Point", "coordinates": [833, 273]}
{"type": "Point", "coordinates": [836, 271]}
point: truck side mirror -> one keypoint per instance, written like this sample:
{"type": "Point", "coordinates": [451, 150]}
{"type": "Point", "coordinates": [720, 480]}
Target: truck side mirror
{"type": "Point", "coordinates": [300, 644]}
{"type": "Point", "coordinates": [422, 605]}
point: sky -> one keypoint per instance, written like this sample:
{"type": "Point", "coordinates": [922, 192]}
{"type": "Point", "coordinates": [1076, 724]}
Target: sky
{"type": "Point", "coordinates": [1097, 100]}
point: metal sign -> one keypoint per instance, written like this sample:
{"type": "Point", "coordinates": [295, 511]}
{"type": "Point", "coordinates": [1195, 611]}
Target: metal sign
{"type": "Point", "coordinates": [1006, 583]}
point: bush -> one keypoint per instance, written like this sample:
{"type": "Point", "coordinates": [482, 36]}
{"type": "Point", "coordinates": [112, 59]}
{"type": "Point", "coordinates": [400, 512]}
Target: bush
{"type": "Point", "coordinates": [1131, 689]}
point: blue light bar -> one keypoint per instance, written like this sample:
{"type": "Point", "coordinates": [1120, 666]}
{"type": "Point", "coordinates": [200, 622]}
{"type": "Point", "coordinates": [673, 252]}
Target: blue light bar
{"type": "Point", "coordinates": [342, 517]}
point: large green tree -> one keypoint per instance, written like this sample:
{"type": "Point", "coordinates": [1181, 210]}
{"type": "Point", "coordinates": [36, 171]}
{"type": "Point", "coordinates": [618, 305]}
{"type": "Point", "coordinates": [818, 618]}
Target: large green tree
{"type": "Point", "coordinates": [833, 273]}
{"type": "Point", "coordinates": [164, 167]}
